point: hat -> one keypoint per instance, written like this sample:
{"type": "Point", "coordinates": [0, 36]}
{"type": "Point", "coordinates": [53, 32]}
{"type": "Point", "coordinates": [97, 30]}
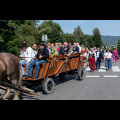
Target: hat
{"type": "Point", "coordinates": [24, 45]}
{"type": "Point", "coordinates": [42, 43]}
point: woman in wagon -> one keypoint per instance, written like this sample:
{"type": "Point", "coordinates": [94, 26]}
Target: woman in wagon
{"type": "Point", "coordinates": [107, 59]}
{"type": "Point", "coordinates": [92, 59]}
{"type": "Point", "coordinates": [53, 49]}
{"type": "Point", "coordinates": [115, 54]}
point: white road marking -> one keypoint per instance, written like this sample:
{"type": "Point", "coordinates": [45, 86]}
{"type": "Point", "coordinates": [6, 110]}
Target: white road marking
{"type": "Point", "coordinates": [110, 76]}
{"type": "Point", "coordinates": [93, 76]}
{"type": "Point", "coordinates": [115, 69]}
{"type": "Point", "coordinates": [102, 69]}
{"type": "Point", "coordinates": [88, 69]}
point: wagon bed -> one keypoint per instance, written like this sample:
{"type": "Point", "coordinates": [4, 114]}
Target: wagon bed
{"type": "Point", "coordinates": [61, 66]}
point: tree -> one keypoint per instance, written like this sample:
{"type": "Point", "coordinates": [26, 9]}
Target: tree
{"type": "Point", "coordinates": [68, 37]}
{"type": "Point", "coordinates": [52, 29]}
{"type": "Point", "coordinates": [79, 36]}
{"type": "Point", "coordinates": [89, 43]}
{"type": "Point", "coordinates": [118, 46]}
{"type": "Point", "coordinates": [14, 32]}
{"type": "Point", "coordinates": [26, 32]}
{"type": "Point", "coordinates": [97, 38]}
{"type": "Point", "coordinates": [35, 22]}
{"type": "Point", "coordinates": [8, 32]}
{"type": "Point", "coordinates": [55, 36]}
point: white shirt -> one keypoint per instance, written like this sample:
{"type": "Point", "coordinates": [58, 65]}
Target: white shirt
{"type": "Point", "coordinates": [97, 56]}
{"type": "Point", "coordinates": [79, 48]}
{"type": "Point", "coordinates": [28, 53]}
{"type": "Point", "coordinates": [92, 53]}
{"type": "Point", "coordinates": [85, 55]}
{"type": "Point", "coordinates": [34, 53]}
{"type": "Point", "coordinates": [108, 55]}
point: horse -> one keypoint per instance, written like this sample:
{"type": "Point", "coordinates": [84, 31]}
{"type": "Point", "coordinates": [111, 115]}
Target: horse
{"type": "Point", "coordinates": [10, 73]}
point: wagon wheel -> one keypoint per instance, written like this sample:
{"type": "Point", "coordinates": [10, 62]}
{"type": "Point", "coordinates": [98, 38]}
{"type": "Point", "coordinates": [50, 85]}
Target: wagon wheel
{"type": "Point", "coordinates": [81, 74]}
{"type": "Point", "coordinates": [62, 76]}
{"type": "Point", "coordinates": [48, 86]}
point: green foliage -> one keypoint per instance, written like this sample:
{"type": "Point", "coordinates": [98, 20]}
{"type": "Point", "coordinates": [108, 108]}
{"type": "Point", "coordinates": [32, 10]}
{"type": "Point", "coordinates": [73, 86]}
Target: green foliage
{"type": "Point", "coordinates": [14, 32]}
{"type": "Point", "coordinates": [8, 32]}
{"type": "Point", "coordinates": [89, 43]}
{"type": "Point", "coordinates": [52, 29]}
{"type": "Point", "coordinates": [79, 36]}
{"type": "Point", "coordinates": [118, 46]}
{"type": "Point", "coordinates": [27, 32]}
{"type": "Point", "coordinates": [14, 46]}
{"type": "Point", "coordinates": [35, 22]}
{"type": "Point", "coordinates": [97, 38]}
{"type": "Point", "coordinates": [70, 38]}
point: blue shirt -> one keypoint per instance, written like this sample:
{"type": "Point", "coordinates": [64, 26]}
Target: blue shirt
{"type": "Point", "coordinates": [66, 49]}
{"type": "Point", "coordinates": [76, 49]}
{"type": "Point", "coordinates": [62, 51]}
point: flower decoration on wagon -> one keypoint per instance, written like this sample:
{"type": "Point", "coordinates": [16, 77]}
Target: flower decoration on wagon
{"type": "Point", "coordinates": [52, 57]}
{"type": "Point", "coordinates": [69, 54]}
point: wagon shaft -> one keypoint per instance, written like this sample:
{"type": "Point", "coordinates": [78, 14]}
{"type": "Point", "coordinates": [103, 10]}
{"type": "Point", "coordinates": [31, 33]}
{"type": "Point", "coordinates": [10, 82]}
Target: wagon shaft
{"type": "Point", "coordinates": [3, 85]}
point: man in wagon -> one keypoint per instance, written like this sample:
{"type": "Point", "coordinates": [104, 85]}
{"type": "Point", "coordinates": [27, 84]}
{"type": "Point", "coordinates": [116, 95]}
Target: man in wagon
{"type": "Point", "coordinates": [61, 49]}
{"type": "Point", "coordinates": [75, 48]}
{"type": "Point", "coordinates": [66, 47]}
{"type": "Point", "coordinates": [41, 58]}
{"type": "Point", "coordinates": [27, 54]}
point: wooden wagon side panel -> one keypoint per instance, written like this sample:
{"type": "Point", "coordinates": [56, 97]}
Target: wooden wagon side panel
{"type": "Point", "coordinates": [80, 62]}
{"type": "Point", "coordinates": [43, 70]}
{"type": "Point", "coordinates": [54, 68]}
{"type": "Point", "coordinates": [71, 64]}
{"type": "Point", "coordinates": [74, 63]}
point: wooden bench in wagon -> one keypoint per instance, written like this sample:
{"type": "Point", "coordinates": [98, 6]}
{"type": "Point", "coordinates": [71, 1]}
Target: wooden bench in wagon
{"type": "Point", "coordinates": [62, 65]}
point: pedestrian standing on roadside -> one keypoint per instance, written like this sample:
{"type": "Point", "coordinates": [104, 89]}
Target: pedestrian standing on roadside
{"type": "Point", "coordinates": [98, 58]}
{"type": "Point", "coordinates": [92, 59]}
{"type": "Point", "coordinates": [107, 59]}
{"type": "Point", "coordinates": [115, 54]}
{"type": "Point", "coordinates": [85, 59]}
{"type": "Point", "coordinates": [102, 54]}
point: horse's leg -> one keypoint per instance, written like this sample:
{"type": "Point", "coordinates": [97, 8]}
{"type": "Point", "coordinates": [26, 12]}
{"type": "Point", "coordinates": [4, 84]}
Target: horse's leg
{"type": "Point", "coordinates": [7, 94]}
{"type": "Point", "coordinates": [16, 95]}
{"type": "Point", "coordinates": [16, 92]}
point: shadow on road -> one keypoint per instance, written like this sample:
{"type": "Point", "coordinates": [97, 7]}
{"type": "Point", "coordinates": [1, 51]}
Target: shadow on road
{"type": "Point", "coordinates": [39, 89]}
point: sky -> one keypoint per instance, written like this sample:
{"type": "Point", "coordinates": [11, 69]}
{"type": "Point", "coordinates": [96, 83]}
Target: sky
{"type": "Point", "coordinates": [106, 27]}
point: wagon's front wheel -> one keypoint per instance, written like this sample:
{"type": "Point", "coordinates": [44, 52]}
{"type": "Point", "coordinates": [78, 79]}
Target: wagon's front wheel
{"type": "Point", "coordinates": [81, 74]}
{"type": "Point", "coordinates": [48, 86]}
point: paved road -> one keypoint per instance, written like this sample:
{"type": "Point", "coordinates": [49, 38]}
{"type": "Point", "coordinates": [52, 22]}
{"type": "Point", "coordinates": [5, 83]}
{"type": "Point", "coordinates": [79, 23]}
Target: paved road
{"type": "Point", "coordinates": [101, 85]}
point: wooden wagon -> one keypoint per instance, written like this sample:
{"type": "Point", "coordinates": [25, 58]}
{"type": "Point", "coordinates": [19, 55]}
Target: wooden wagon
{"type": "Point", "coordinates": [61, 66]}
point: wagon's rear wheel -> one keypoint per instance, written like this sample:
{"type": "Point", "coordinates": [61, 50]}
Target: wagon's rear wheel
{"type": "Point", "coordinates": [62, 76]}
{"type": "Point", "coordinates": [48, 86]}
{"type": "Point", "coordinates": [81, 74]}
